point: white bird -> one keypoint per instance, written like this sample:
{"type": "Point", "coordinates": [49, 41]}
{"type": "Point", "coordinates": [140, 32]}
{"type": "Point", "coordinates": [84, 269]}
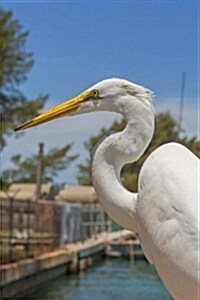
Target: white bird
{"type": "Point", "coordinates": [165, 211]}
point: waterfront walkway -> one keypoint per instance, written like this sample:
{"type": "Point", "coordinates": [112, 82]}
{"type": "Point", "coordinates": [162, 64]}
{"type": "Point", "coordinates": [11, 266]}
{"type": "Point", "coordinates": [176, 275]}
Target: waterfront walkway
{"type": "Point", "coordinates": [19, 277]}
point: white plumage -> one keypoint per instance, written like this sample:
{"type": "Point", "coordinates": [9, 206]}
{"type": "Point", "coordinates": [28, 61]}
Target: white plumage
{"type": "Point", "coordinates": [165, 211]}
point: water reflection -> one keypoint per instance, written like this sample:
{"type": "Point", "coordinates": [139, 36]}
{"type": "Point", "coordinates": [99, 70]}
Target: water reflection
{"type": "Point", "coordinates": [112, 279]}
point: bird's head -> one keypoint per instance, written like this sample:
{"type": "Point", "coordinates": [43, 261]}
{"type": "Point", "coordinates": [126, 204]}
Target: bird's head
{"type": "Point", "coordinates": [108, 94]}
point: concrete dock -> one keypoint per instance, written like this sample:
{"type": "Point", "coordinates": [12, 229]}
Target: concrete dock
{"type": "Point", "coordinates": [18, 278]}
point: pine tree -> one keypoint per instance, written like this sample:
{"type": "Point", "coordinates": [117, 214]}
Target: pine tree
{"type": "Point", "coordinates": [25, 169]}
{"type": "Point", "coordinates": [16, 108]}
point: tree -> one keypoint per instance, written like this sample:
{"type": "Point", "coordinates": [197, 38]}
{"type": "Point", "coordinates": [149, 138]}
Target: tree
{"type": "Point", "coordinates": [15, 64]}
{"type": "Point", "coordinates": [166, 130]}
{"type": "Point", "coordinates": [24, 170]}
{"type": "Point", "coordinates": [84, 176]}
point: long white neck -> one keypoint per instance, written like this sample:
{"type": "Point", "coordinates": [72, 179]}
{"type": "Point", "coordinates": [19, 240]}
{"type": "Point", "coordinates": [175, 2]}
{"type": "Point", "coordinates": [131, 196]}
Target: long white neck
{"type": "Point", "coordinates": [113, 153]}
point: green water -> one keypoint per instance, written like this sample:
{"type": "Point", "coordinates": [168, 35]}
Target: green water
{"type": "Point", "coordinates": [112, 279]}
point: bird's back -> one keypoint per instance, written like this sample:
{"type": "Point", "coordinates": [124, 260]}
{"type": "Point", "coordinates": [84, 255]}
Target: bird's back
{"type": "Point", "coordinates": [168, 215]}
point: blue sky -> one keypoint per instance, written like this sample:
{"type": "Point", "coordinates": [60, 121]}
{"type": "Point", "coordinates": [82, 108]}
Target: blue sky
{"type": "Point", "coordinates": [76, 44]}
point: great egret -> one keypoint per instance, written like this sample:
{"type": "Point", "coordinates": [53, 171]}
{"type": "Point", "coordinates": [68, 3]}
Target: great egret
{"type": "Point", "coordinates": [165, 210]}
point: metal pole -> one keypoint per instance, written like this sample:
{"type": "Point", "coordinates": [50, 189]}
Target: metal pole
{"type": "Point", "coordinates": [182, 96]}
{"type": "Point", "coordinates": [91, 220]}
{"type": "Point", "coordinates": [102, 219]}
{"type": "Point", "coordinates": [11, 217]}
{"type": "Point", "coordinates": [39, 171]}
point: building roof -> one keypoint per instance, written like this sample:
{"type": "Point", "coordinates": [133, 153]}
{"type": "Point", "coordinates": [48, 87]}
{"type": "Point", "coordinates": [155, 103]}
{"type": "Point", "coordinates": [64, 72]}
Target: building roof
{"type": "Point", "coordinates": [80, 193]}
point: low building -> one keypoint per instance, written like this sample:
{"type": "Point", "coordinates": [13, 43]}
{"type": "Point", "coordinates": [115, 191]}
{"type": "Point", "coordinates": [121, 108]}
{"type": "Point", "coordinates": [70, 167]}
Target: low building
{"type": "Point", "coordinates": [3, 195]}
{"type": "Point", "coordinates": [27, 191]}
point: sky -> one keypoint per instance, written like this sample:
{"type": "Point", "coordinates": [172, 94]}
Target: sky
{"type": "Point", "coordinates": [78, 43]}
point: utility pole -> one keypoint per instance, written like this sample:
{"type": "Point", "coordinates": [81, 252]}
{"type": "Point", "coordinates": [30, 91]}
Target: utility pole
{"type": "Point", "coordinates": [39, 171]}
{"type": "Point", "coordinates": [182, 96]}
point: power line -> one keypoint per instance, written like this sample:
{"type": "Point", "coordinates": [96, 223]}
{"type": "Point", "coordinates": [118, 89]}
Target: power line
{"type": "Point", "coordinates": [182, 97]}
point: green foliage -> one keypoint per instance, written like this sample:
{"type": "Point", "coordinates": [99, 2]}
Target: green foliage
{"type": "Point", "coordinates": [24, 170]}
{"type": "Point", "coordinates": [15, 63]}
{"type": "Point", "coordinates": [84, 177]}
{"type": "Point", "coordinates": [166, 130]}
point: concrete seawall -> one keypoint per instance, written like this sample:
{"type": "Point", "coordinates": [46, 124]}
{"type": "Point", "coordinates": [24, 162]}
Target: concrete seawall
{"type": "Point", "coordinates": [20, 277]}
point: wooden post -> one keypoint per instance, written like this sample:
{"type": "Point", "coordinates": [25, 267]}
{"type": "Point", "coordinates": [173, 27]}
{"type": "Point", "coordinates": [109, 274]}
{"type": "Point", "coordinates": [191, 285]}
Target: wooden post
{"type": "Point", "coordinates": [28, 228]}
{"type": "Point", "coordinates": [39, 171]}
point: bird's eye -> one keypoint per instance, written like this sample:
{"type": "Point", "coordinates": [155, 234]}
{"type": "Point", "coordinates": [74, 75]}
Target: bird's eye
{"type": "Point", "coordinates": [95, 93]}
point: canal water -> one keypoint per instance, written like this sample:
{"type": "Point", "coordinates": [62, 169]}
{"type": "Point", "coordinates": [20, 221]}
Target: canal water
{"type": "Point", "coordinates": [111, 279]}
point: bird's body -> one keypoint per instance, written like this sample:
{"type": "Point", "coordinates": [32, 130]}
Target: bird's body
{"type": "Point", "coordinates": [167, 214]}
{"type": "Point", "coordinates": [165, 210]}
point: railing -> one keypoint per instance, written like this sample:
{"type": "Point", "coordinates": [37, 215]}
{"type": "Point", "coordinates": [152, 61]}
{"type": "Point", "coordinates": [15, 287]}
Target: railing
{"type": "Point", "coordinates": [30, 228]}
{"type": "Point", "coordinates": [94, 221]}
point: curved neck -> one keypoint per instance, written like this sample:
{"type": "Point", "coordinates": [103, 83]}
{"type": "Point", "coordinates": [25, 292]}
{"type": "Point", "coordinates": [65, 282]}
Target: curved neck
{"type": "Point", "coordinates": [112, 154]}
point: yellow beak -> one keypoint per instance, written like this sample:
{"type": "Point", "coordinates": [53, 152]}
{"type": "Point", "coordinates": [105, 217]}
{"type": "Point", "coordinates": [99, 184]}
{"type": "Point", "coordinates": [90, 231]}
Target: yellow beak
{"type": "Point", "coordinates": [58, 111]}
